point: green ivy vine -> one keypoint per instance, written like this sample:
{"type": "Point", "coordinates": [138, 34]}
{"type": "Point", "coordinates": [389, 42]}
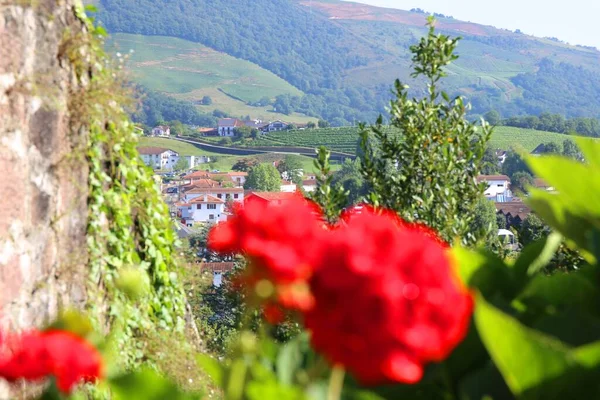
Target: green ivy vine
{"type": "Point", "coordinates": [129, 228]}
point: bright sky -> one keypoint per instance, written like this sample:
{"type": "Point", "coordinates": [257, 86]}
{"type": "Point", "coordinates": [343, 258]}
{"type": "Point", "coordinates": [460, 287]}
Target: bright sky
{"type": "Point", "coordinates": [573, 21]}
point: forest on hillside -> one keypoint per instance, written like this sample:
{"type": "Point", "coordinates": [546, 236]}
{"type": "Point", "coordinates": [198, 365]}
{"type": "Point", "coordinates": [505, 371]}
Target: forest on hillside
{"type": "Point", "coordinates": [316, 54]}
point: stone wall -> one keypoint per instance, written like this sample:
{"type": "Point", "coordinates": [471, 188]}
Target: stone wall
{"type": "Point", "coordinates": [43, 171]}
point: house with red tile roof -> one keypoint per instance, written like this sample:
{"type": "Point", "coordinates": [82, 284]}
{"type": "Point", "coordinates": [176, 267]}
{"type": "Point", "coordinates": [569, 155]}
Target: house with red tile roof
{"type": "Point", "coordinates": [202, 209]}
{"type": "Point", "coordinates": [272, 197]}
{"type": "Point", "coordinates": [227, 126]}
{"type": "Point", "coordinates": [498, 187]}
{"type": "Point", "coordinates": [158, 157]}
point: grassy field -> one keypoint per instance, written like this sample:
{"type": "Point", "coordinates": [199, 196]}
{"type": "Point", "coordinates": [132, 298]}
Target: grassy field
{"type": "Point", "coordinates": [345, 139]}
{"type": "Point", "coordinates": [191, 71]}
{"type": "Point", "coordinates": [220, 162]}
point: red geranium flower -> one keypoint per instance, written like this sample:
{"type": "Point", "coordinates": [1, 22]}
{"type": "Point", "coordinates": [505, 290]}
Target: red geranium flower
{"type": "Point", "coordinates": [386, 299]}
{"type": "Point", "coordinates": [281, 242]}
{"type": "Point", "coordinates": [35, 355]}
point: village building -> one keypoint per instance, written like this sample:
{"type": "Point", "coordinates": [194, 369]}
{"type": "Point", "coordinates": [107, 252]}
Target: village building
{"type": "Point", "coordinates": [288, 186]}
{"type": "Point", "coordinates": [498, 187]}
{"type": "Point", "coordinates": [227, 126]}
{"type": "Point", "coordinates": [158, 157]}
{"type": "Point", "coordinates": [202, 209]}
{"type": "Point", "coordinates": [514, 212]}
{"type": "Point", "coordinates": [309, 185]}
{"type": "Point", "coordinates": [162, 131]}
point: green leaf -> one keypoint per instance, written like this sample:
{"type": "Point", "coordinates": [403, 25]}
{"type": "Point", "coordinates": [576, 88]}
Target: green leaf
{"type": "Point", "coordinates": [537, 255]}
{"type": "Point", "coordinates": [147, 385]}
{"type": "Point", "coordinates": [526, 358]}
{"type": "Point", "coordinates": [212, 367]}
{"type": "Point", "coordinates": [289, 361]}
{"type": "Point", "coordinates": [483, 271]}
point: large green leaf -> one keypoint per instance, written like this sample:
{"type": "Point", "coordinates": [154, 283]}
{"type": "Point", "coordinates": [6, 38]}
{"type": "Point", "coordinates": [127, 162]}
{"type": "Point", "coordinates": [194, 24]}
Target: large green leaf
{"type": "Point", "coordinates": [483, 271]}
{"type": "Point", "coordinates": [526, 358]}
{"type": "Point", "coordinates": [591, 150]}
{"type": "Point", "coordinates": [537, 255]}
{"type": "Point", "coordinates": [147, 385]}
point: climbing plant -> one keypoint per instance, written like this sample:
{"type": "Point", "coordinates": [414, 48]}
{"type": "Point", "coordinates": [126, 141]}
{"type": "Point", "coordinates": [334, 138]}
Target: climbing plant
{"type": "Point", "coordinates": [129, 229]}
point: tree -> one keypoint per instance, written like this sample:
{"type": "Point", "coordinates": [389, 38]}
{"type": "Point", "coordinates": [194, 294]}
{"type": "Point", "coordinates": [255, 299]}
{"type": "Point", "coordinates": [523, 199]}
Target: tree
{"type": "Point", "coordinates": [245, 164]}
{"type": "Point", "coordinates": [439, 158]}
{"type": "Point", "coordinates": [182, 164]}
{"type": "Point", "coordinates": [514, 163]}
{"type": "Point", "coordinates": [311, 125]}
{"type": "Point", "coordinates": [520, 181]}
{"type": "Point", "coordinates": [263, 178]}
{"type": "Point", "coordinates": [485, 224]}
{"type": "Point", "coordinates": [532, 229]}
{"type": "Point", "coordinates": [350, 178]}
{"type": "Point", "coordinates": [490, 162]}
{"type": "Point", "coordinates": [492, 117]}
{"type": "Point", "coordinates": [323, 124]}
{"type": "Point", "coordinates": [206, 101]}
{"type": "Point", "coordinates": [264, 101]}
{"type": "Point", "coordinates": [571, 150]}
{"type": "Point", "coordinates": [290, 167]}
{"type": "Point", "coordinates": [177, 128]}
{"type": "Point", "coordinates": [552, 148]}
{"type": "Point", "coordinates": [243, 131]}
{"type": "Point", "coordinates": [226, 141]}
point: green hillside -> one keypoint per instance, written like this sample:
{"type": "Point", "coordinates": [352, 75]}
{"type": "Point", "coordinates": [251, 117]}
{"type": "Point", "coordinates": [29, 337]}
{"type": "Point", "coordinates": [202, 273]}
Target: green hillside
{"type": "Point", "coordinates": [190, 71]}
{"type": "Point", "coordinates": [345, 56]}
{"type": "Point", "coordinates": [346, 139]}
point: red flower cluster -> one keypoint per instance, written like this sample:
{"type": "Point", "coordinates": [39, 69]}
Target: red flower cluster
{"type": "Point", "coordinates": [280, 241]}
{"type": "Point", "coordinates": [35, 355]}
{"type": "Point", "coordinates": [384, 298]}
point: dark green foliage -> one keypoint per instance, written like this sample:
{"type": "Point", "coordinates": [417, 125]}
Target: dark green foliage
{"type": "Point", "coordinates": [181, 164]}
{"type": "Point", "coordinates": [532, 229]}
{"type": "Point", "coordinates": [485, 224]}
{"type": "Point", "coordinates": [514, 163]}
{"type": "Point", "coordinates": [559, 88]}
{"type": "Point", "coordinates": [332, 199]}
{"type": "Point", "coordinates": [552, 148]}
{"type": "Point", "coordinates": [350, 178]}
{"type": "Point", "coordinates": [156, 108]}
{"type": "Point", "coordinates": [323, 124]}
{"type": "Point", "coordinates": [428, 175]}
{"type": "Point", "coordinates": [492, 117]}
{"type": "Point", "coordinates": [571, 150]}
{"type": "Point", "coordinates": [263, 178]}
{"type": "Point", "coordinates": [206, 101]}
{"type": "Point", "coordinates": [290, 167]}
{"type": "Point", "coordinates": [521, 182]}
{"type": "Point", "coordinates": [489, 162]}
{"type": "Point", "coordinates": [245, 164]}
{"type": "Point", "coordinates": [556, 123]}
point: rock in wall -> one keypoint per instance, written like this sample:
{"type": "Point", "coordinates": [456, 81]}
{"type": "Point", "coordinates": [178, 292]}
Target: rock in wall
{"type": "Point", "coordinates": [43, 170]}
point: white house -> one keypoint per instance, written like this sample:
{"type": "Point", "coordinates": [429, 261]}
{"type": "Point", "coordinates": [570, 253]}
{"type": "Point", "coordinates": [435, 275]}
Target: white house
{"type": "Point", "coordinates": [309, 185]}
{"type": "Point", "coordinates": [498, 187]}
{"type": "Point", "coordinates": [202, 209]}
{"type": "Point", "coordinates": [275, 126]}
{"type": "Point", "coordinates": [158, 157]}
{"type": "Point", "coordinates": [288, 187]}
{"type": "Point", "coordinates": [237, 178]}
{"type": "Point", "coordinates": [161, 130]}
{"type": "Point", "coordinates": [194, 161]}
{"type": "Point", "coordinates": [227, 126]}
{"type": "Point", "coordinates": [218, 192]}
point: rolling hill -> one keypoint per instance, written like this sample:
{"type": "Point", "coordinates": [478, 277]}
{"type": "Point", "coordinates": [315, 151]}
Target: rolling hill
{"type": "Point", "coordinates": [190, 71]}
{"type": "Point", "coordinates": [344, 56]}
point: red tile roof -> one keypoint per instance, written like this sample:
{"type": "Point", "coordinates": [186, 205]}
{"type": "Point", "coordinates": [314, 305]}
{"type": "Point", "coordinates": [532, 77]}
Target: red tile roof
{"type": "Point", "coordinates": [206, 199]}
{"type": "Point", "coordinates": [514, 208]}
{"type": "Point", "coordinates": [151, 150]}
{"type": "Point", "coordinates": [309, 182]}
{"type": "Point", "coordinates": [485, 178]}
{"type": "Point", "coordinates": [270, 196]}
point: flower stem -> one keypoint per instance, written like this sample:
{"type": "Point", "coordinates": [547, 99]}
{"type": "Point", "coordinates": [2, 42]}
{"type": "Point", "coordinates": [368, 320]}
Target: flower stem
{"type": "Point", "coordinates": [336, 383]}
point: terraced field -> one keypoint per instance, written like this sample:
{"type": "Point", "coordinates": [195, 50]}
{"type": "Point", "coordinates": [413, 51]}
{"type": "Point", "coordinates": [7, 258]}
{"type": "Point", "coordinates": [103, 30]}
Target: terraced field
{"type": "Point", "coordinates": [345, 139]}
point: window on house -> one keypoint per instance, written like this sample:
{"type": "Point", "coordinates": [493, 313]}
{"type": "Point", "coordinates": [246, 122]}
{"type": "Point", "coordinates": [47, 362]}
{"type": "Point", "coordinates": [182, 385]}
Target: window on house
{"type": "Point", "coordinates": [501, 185]}
{"type": "Point", "coordinates": [211, 206]}
{"type": "Point", "coordinates": [198, 206]}
{"type": "Point", "coordinates": [227, 196]}
{"type": "Point", "coordinates": [211, 216]}
{"type": "Point", "coordinates": [219, 195]}
{"type": "Point", "coordinates": [235, 196]}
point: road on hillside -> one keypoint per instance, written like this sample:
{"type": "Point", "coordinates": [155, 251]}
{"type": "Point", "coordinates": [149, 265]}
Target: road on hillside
{"type": "Point", "coordinates": [248, 151]}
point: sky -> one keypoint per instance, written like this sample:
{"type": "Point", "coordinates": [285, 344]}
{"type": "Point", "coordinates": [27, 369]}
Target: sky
{"type": "Point", "coordinates": [573, 21]}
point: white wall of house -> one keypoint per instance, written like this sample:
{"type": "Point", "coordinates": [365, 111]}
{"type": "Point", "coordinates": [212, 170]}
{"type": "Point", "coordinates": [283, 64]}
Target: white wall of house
{"type": "Point", "coordinates": [228, 131]}
{"type": "Point", "coordinates": [498, 190]}
{"type": "Point", "coordinates": [203, 212]}
{"type": "Point", "coordinates": [161, 131]}
{"type": "Point", "coordinates": [309, 188]}
{"type": "Point", "coordinates": [219, 194]}
{"type": "Point", "coordinates": [194, 161]}
{"type": "Point", "coordinates": [288, 187]}
{"type": "Point", "coordinates": [165, 160]}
